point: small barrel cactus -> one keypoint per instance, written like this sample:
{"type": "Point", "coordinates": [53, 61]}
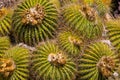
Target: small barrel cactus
{"type": "Point", "coordinates": [70, 41]}
{"type": "Point", "coordinates": [14, 64]}
{"type": "Point", "coordinates": [84, 19]}
{"type": "Point", "coordinates": [34, 21]}
{"type": "Point", "coordinates": [52, 64]}
{"type": "Point", "coordinates": [98, 62]}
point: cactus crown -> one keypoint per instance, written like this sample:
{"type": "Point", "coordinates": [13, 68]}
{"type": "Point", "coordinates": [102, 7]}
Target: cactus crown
{"type": "Point", "coordinates": [106, 65]}
{"type": "Point", "coordinates": [57, 59]}
{"type": "Point", "coordinates": [7, 66]}
{"type": "Point", "coordinates": [34, 15]}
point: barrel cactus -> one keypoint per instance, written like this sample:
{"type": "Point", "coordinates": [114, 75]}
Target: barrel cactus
{"type": "Point", "coordinates": [98, 62]}
{"type": "Point", "coordinates": [5, 21]}
{"type": "Point", "coordinates": [70, 41]}
{"type": "Point", "coordinates": [34, 21]}
{"type": "Point", "coordinates": [14, 64]}
{"type": "Point", "coordinates": [52, 64]}
{"type": "Point", "coordinates": [84, 19]}
{"type": "Point", "coordinates": [4, 45]}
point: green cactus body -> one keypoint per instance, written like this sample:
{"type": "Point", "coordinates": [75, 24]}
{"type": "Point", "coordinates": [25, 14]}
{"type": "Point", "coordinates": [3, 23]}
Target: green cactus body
{"type": "Point", "coordinates": [5, 21]}
{"type": "Point", "coordinates": [113, 32]}
{"type": "Point", "coordinates": [83, 19]}
{"type": "Point", "coordinates": [98, 62]}
{"type": "Point", "coordinates": [34, 21]}
{"type": "Point", "coordinates": [65, 2]}
{"type": "Point", "coordinates": [20, 62]}
{"type": "Point", "coordinates": [70, 41]}
{"type": "Point", "coordinates": [56, 3]}
{"type": "Point", "coordinates": [4, 45]}
{"type": "Point", "coordinates": [51, 63]}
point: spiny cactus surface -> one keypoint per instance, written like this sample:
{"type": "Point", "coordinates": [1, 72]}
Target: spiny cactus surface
{"type": "Point", "coordinates": [52, 64]}
{"type": "Point", "coordinates": [34, 21]}
{"type": "Point", "coordinates": [70, 42]}
{"type": "Point", "coordinates": [98, 62]}
{"type": "Point", "coordinates": [113, 32]}
{"type": "Point", "coordinates": [14, 64]}
{"type": "Point", "coordinates": [4, 45]}
{"type": "Point", "coordinates": [84, 19]}
{"type": "Point", "coordinates": [5, 21]}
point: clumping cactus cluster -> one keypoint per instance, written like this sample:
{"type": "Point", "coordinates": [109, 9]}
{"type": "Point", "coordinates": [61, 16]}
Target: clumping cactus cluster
{"type": "Point", "coordinates": [59, 40]}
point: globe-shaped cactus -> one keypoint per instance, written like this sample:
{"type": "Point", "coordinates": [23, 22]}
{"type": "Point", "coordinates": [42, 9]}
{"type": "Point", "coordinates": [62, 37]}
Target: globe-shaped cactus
{"type": "Point", "coordinates": [84, 19]}
{"type": "Point", "coordinates": [113, 32]}
{"type": "Point", "coordinates": [34, 20]}
{"type": "Point", "coordinates": [52, 64]}
{"type": "Point", "coordinates": [98, 62]}
{"type": "Point", "coordinates": [4, 45]}
{"type": "Point", "coordinates": [14, 64]}
{"type": "Point", "coordinates": [5, 21]}
{"type": "Point", "coordinates": [70, 41]}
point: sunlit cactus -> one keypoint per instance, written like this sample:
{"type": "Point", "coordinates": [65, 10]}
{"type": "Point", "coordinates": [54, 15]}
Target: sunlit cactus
{"type": "Point", "coordinates": [4, 45]}
{"type": "Point", "coordinates": [70, 41]}
{"type": "Point", "coordinates": [113, 32]}
{"type": "Point", "coordinates": [34, 21]}
{"type": "Point", "coordinates": [14, 64]}
{"type": "Point", "coordinates": [52, 64]}
{"type": "Point", "coordinates": [98, 62]}
{"type": "Point", "coordinates": [84, 19]}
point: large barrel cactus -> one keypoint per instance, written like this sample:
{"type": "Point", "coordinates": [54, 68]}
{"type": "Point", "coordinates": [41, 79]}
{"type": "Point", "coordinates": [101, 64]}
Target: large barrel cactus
{"type": "Point", "coordinates": [98, 62]}
{"type": "Point", "coordinates": [34, 20]}
{"type": "Point", "coordinates": [14, 64]}
{"type": "Point", "coordinates": [52, 64]}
